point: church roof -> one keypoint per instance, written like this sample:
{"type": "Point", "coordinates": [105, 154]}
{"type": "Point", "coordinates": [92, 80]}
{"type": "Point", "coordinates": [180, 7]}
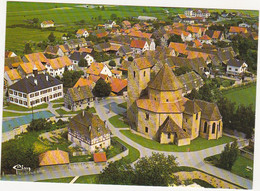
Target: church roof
{"type": "Point", "coordinates": [191, 107]}
{"type": "Point", "coordinates": [169, 126]}
{"type": "Point", "coordinates": [209, 111]}
{"type": "Point", "coordinates": [165, 80]}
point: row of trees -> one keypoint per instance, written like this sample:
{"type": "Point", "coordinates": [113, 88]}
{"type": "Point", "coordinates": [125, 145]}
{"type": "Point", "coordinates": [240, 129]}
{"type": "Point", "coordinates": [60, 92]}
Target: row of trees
{"type": "Point", "coordinates": [156, 170]}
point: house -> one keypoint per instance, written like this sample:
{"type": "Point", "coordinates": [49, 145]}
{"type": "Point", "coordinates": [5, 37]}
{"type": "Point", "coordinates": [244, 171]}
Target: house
{"type": "Point", "coordinates": [76, 43]}
{"type": "Point", "coordinates": [215, 35]}
{"type": "Point", "coordinates": [164, 115]}
{"type": "Point", "coordinates": [47, 24]}
{"type": "Point", "coordinates": [118, 86]}
{"type": "Point", "coordinates": [234, 30]}
{"type": "Point", "coordinates": [205, 39]}
{"type": "Point", "coordinates": [179, 48]}
{"type": "Point", "coordinates": [26, 69]}
{"type": "Point", "coordinates": [236, 67]}
{"type": "Point", "coordinates": [102, 47]}
{"type": "Point", "coordinates": [110, 24]}
{"type": "Point", "coordinates": [124, 51]}
{"type": "Point", "coordinates": [13, 62]}
{"type": "Point", "coordinates": [65, 49]}
{"type": "Point", "coordinates": [100, 33]}
{"type": "Point", "coordinates": [139, 46]}
{"type": "Point", "coordinates": [12, 76]}
{"type": "Point", "coordinates": [84, 81]}
{"type": "Point", "coordinates": [88, 131]}
{"type": "Point", "coordinates": [82, 33]}
{"type": "Point", "coordinates": [35, 90]}
{"type": "Point", "coordinates": [54, 50]}
{"type": "Point", "coordinates": [35, 57]}
{"type": "Point", "coordinates": [117, 73]}
{"type": "Point", "coordinates": [126, 25]}
{"type": "Point", "coordinates": [186, 36]}
{"type": "Point", "coordinates": [97, 69]}
{"type": "Point", "coordinates": [76, 56]}
{"type": "Point", "coordinates": [87, 50]}
{"type": "Point", "coordinates": [190, 81]}
{"type": "Point", "coordinates": [244, 25]}
{"type": "Point", "coordinates": [9, 54]}
{"type": "Point", "coordinates": [54, 157]}
{"type": "Point", "coordinates": [121, 39]}
{"type": "Point", "coordinates": [146, 18]}
{"type": "Point", "coordinates": [139, 34]}
{"type": "Point", "coordinates": [56, 67]}
{"type": "Point", "coordinates": [196, 31]}
{"type": "Point", "coordinates": [197, 13]}
{"type": "Point", "coordinates": [78, 98]}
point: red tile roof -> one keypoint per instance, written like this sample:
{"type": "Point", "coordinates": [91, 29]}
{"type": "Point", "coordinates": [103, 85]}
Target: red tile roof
{"type": "Point", "coordinates": [205, 37]}
{"type": "Point", "coordinates": [100, 157]}
{"type": "Point", "coordinates": [137, 43]}
{"type": "Point", "coordinates": [117, 84]}
{"type": "Point", "coordinates": [178, 47]}
{"type": "Point", "coordinates": [234, 29]}
{"type": "Point", "coordinates": [53, 157]}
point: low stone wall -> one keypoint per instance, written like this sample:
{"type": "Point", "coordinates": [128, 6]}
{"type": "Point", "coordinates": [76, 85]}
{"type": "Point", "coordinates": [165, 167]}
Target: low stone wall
{"type": "Point", "coordinates": [11, 134]}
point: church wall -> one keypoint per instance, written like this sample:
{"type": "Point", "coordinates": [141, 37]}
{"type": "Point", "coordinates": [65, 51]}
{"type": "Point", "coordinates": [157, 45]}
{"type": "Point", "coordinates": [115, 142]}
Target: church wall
{"type": "Point", "coordinates": [209, 135]}
{"type": "Point", "coordinates": [165, 139]}
{"type": "Point", "coordinates": [165, 96]}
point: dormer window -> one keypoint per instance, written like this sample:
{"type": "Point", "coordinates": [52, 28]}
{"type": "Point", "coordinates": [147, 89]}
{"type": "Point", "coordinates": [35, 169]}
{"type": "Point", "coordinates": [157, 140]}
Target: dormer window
{"type": "Point", "coordinates": [134, 74]}
{"type": "Point", "coordinates": [147, 116]}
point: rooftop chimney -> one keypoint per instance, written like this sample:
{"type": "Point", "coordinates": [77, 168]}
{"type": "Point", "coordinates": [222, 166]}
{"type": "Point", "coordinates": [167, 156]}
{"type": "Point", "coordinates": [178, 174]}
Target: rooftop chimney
{"type": "Point", "coordinates": [89, 128]}
{"type": "Point", "coordinates": [83, 113]}
{"type": "Point", "coordinates": [35, 81]}
{"type": "Point", "coordinates": [47, 78]}
{"type": "Point", "coordinates": [35, 70]}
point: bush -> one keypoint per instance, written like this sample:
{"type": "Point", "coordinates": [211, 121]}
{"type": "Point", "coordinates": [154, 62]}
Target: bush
{"type": "Point", "coordinates": [130, 58]}
{"type": "Point", "coordinates": [112, 63]}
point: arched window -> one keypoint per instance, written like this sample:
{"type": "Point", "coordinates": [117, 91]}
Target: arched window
{"type": "Point", "coordinates": [134, 74]}
{"type": "Point", "coordinates": [213, 128]}
{"type": "Point", "coordinates": [144, 73]}
{"type": "Point", "coordinates": [169, 135]}
{"type": "Point", "coordinates": [205, 127]}
{"type": "Point", "coordinates": [197, 115]}
{"type": "Point", "coordinates": [146, 129]}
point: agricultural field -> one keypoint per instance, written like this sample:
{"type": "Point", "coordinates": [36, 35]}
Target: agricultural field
{"type": "Point", "coordinates": [245, 96]}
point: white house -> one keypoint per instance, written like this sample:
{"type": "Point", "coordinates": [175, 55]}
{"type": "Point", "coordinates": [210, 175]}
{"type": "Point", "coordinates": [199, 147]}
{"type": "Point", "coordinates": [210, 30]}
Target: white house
{"type": "Point", "coordinates": [88, 131]}
{"type": "Point", "coordinates": [47, 24]}
{"type": "Point", "coordinates": [139, 46]}
{"type": "Point", "coordinates": [35, 90]}
{"type": "Point", "coordinates": [82, 32]}
{"type": "Point", "coordinates": [244, 25]}
{"type": "Point", "coordinates": [56, 67]}
{"type": "Point", "coordinates": [99, 69]}
{"type": "Point", "coordinates": [110, 24]}
{"type": "Point", "coordinates": [186, 36]}
{"type": "Point", "coordinates": [76, 56]}
{"type": "Point", "coordinates": [235, 67]}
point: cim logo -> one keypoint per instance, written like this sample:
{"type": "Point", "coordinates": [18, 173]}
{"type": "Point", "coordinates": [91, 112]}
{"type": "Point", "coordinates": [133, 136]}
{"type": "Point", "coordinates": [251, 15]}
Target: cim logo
{"type": "Point", "coordinates": [21, 168]}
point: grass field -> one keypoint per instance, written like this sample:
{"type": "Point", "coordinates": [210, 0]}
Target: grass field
{"type": "Point", "coordinates": [123, 105]}
{"type": "Point", "coordinates": [117, 122]}
{"type": "Point", "coordinates": [197, 144]}
{"type": "Point", "coordinates": [12, 114]}
{"type": "Point", "coordinates": [20, 108]}
{"type": "Point", "coordinates": [244, 96]}
{"type": "Point", "coordinates": [58, 180]}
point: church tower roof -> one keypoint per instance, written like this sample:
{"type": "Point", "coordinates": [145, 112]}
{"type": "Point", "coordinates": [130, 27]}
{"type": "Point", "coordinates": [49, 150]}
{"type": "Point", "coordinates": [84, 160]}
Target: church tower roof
{"type": "Point", "coordinates": [165, 80]}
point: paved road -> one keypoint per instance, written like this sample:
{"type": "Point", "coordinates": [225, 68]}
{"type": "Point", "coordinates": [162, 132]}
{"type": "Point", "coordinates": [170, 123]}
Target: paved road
{"type": "Point", "coordinates": [193, 159]}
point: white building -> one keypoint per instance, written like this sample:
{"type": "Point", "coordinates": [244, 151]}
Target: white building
{"type": "Point", "coordinates": [47, 24]}
{"type": "Point", "coordinates": [82, 33]}
{"type": "Point", "coordinates": [56, 67]}
{"type": "Point", "coordinates": [236, 67]}
{"type": "Point", "coordinates": [76, 56]}
{"type": "Point", "coordinates": [89, 132]}
{"type": "Point", "coordinates": [98, 69]}
{"type": "Point", "coordinates": [35, 90]}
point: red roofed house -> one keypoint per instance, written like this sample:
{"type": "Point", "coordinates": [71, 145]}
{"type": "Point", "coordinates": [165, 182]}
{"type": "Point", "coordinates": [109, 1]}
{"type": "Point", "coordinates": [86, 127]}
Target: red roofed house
{"type": "Point", "coordinates": [118, 86]}
{"type": "Point", "coordinates": [47, 24]}
{"type": "Point", "coordinates": [234, 30]}
{"type": "Point", "coordinates": [9, 54]}
{"type": "Point", "coordinates": [179, 48]}
{"type": "Point", "coordinates": [54, 157]}
{"type": "Point", "coordinates": [82, 32]}
{"type": "Point", "coordinates": [205, 39]}
{"type": "Point", "coordinates": [84, 81]}
{"type": "Point", "coordinates": [139, 46]}
{"type": "Point", "coordinates": [56, 67]}
{"type": "Point", "coordinates": [126, 24]}
{"type": "Point", "coordinates": [100, 157]}
{"type": "Point", "coordinates": [117, 73]}
{"type": "Point", "coordinates": [98, 69]}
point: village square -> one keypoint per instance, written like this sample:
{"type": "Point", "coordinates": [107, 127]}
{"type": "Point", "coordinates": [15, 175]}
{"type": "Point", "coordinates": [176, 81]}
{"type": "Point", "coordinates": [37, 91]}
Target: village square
{"type": "Point", "coordinates": [103, 94]}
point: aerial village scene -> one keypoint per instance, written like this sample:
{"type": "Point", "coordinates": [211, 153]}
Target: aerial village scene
{"type": "Point", "coordinates": [129, 95]}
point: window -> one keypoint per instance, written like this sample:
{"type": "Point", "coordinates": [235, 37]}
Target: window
{"type": "Point", "coordinates": [16, 100]}
{"type": "Point", "coordinates": [37, 93]}
{"type": "Point", "coordinates": [11, 99]}
{"type": "Point", "coordinates": [15, 93]}
{"type": "Point", "coordinates": [144, 73]}
{"type": "Point", "coordinates": [167, 100]}
{"type": "Point", "coordinates": [230, 68]}
{"type": "Point", "coordinates": [236, 69]}
{"type": "Point", "coordinates": [169, 135]}
{"type": "Point", "coordinates": [213, 128]}
{"type": "Point", "coordinates": [20, 102]}
{"type": "Point", "coordinates": [11, 91]}
{"type": "Point", "coordinates": [146, 129]}
{"type": "Point", "coordinates": [205, 127]}
{"type": "Point", "coordinates": [32, 95]}
{"type": "Point", "coordinates": [20, 94]}
{"type": "Point", "coordinates": [184, 130]}
{"type": "Point", "coordinates": [197, 116]}
{"type": "Point", "coordinates": [25, 102]}
{"type": "Point", "coordinates": [147, 116]}
{"type": "Point", "coordinates": [24, 95]}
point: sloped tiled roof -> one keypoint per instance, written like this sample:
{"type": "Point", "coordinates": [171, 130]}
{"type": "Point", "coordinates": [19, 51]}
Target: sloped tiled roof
{"type": "Point", "coordinates": [190, 81]}
{"type": "Point", "coordinates": [54, 157]}
{"type": "Point", "coordinates": [178, 47]}
{"type": "Point", "coordinates": [191, 107]}
{"type": "Point", "coordinates": [169, 126]}
{"type": "Point", "coordinates": [13, 74]}
{"type": "Point", "coordinates": [95, 68]}
{"type": "Point", "coordinates": [165, 80]}
{"type": "Point", "coordinates": [84, 82]}
{"type": "Point", "coordinates": [28, 67]}
{"type": "Point", "coordinates": [36, 57]}
{"type": "Point", "coordinates": [80, 93]}
{"type": "Point", "coordinates": [140, 34]}
{"type": "Point", "coordinates": [117, 84]}
{"type": "Point", "coordinates": [205, 37]}
{"type": "Point", "coordinates": [13, 61]}
{"type": "Point", "coordinates": [235, 62]}
{"type": "Point", "coordinates": [59, 62]}
{"type": "Point", "coordinates": [142, 63]}
{"type": "Point", "coordinates": [52, 50]}
{"type": "Point", "coordinates": [65, 48]}
{"type": "Point", "coordinates": [137, 43]}
{"type": "Point", "coordinates": [88, 125]}
{"type": "Point", "coordinates": [48, 22]}
{"type": "Point", "coordinates": [81, 31]}
{"type": "Point", "coordinates": [235, 29]}
{"type": "Point", "coordinates": [209, 111]}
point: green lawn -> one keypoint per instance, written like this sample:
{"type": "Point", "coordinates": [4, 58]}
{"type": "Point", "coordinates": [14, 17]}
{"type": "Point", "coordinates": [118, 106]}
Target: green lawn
{"type": "Point", "coordinates": [57, 105]}
{"type": "Point", "coordinates": [58, 180]}
{"type": "Point", "coordinates": [133, 155]}
{"type": "Point", "coordinates": [12, 114]}
{"type": "Point", "coordinates": [123, 105]}
{"type": "Point", "coordinates": [244, 96]}
{"type": "Point", "coordinates": [88, 179]}
{"type": "Point", "coordinates": [240, 165]}
{"type": "Point", "coordinates": [92, 110]}
{"type": "Point", "coordinates": [117, 122]}
{"type": "Point", "coordinates": [197, 144]}
{"type": "Point", "coordinates": [58, 100]}
{"type": "Point", "coordinates": [20, 108]}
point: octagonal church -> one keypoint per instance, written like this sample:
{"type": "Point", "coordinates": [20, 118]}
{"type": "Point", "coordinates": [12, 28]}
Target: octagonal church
{"type": "Point", "coordinates": [157, 108]}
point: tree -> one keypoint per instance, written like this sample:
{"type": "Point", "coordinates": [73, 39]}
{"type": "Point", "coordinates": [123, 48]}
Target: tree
{"type": "Point", "coordinates": [156, 170]}
{"type": "Point", "coordinates": [113, 16]}
{"type": "Point", "coordinates": [99, 17]}
{"type": "Point", "coordinates": [51, 37]}
{"type": "Point", "coordinates": [101, 89]}
{"type": "Point", "coordinates": [38, 125]}
{"type": "Point", "coordinates": [102, 8]}
{"type": "Point", "coordinates": [130, 58]}
{"type": "Point", "coordinates": [118, 172]}
{"type": "Point", "coordinates": [194, 94]}
{"type": "Point", "coordinates": [228, 156]}
{"type": "Point", "coordinates": [83, 63]}
{"type": "Point", "coordinates": [69, 78]}
{"type": "Point", "coordinates": [27, 49]}
{"type": "Point", "coordinates": [112, 63]}
{"type": "Point", "coordinates": [35, 21]}
{"type": "Point", "coordinates": [174, 38]}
